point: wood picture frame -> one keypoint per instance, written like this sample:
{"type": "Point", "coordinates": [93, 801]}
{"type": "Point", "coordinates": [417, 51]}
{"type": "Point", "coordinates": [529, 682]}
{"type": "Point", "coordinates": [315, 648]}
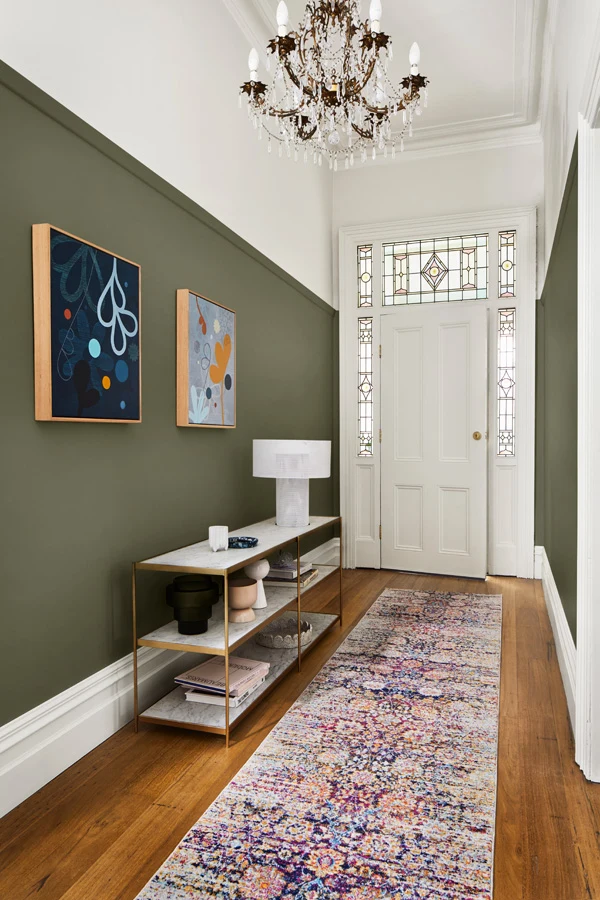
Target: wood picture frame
{"type": "Point", "coordinates": [206, 362]}
{"type": "Point", "coordinates": [87, 331]}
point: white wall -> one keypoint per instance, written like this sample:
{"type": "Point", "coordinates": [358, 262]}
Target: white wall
{"type": "Point", "coordinates": [161, 80]}
{"type": "Point", "coordinates": [569, 38]}
{"type": "Point", "coordinates": [430, 186]}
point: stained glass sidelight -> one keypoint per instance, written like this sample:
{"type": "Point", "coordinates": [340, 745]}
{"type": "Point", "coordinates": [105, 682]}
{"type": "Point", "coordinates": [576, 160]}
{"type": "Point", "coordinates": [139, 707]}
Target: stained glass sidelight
{"type": "Point", "coordinates": [442, 269]}
{"type": "Point", "coordinates": [507, 262]}
{"type": "Point", "coordinates": [365, 387]}
{"type": "Point", "coordinates": [507, 346]}
{"type": "Point", "coordinates": [365, 275]}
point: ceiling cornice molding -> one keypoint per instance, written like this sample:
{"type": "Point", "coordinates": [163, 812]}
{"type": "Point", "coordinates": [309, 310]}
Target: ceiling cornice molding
{"type": "Point", "coordinates": [470, 127]}
{"type": "Point", "coordinates": [266, 13]}
{"type": "Point", "coordinates": [589, 105]}
{"type": "Point", "coordinates": [253, 27]}
{"type": "Point", "coordinates": [548, 56]}
{"type": "Point", "coordinates": [492, 139]}
{"type": "Point", "coordinates": [533, 25]}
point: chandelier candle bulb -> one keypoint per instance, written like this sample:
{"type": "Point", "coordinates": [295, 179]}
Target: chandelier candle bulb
{"type": "Point", "coordinates": [414, 57]}
{"type": "Point", "coordinates": [283, 18]}
{"type": "Point", "coordinates": [253, 62]}
{"type": "Point", "coordinates": [375, 12]}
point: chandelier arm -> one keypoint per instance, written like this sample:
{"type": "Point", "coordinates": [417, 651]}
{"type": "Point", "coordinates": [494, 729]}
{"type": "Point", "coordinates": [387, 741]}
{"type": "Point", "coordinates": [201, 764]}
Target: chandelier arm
{"type": "Point", "coordinates": [367, 135]}
{"type": "Point", "coordinates": [386, 111]}
{"type": "Point", "coordinates": [302, 57]}
{"type": "Point", "coordinates": [309, 89]}
{"type": "Point", "coordinates": [360, 87]}
{"type": "Point", "coordinates": [294, 78]}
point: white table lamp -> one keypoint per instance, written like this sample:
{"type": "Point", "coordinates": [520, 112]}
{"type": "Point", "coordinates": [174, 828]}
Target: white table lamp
{"type": "Point", "coordinates": [292, 463]}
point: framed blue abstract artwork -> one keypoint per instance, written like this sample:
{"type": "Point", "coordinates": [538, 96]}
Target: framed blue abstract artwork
{"type": "Point", "coordinates": [87, 307]}
{"type": "Point", "coordinates": [206, 379]}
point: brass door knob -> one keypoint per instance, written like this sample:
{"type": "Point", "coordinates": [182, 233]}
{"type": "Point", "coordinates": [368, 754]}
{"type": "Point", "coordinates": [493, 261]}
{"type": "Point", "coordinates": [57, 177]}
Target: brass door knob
{"type": "Point", "coordinates": [476, 435]}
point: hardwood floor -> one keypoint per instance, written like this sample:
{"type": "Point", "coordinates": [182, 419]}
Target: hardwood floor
{"type": "Point", "coordinates": [101, 829]}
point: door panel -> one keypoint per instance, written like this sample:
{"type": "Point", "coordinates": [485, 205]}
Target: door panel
{"type": "Point", "coordinates": [433, 471]}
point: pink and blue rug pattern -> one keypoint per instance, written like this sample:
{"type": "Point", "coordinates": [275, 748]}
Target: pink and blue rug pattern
{"type": "Point", "coordinates": [380, 781]}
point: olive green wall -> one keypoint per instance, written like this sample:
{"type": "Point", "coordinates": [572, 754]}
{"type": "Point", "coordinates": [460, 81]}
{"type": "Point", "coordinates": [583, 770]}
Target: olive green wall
{"type": "Point", "coordinates": [556, 463]}
{"type": "Point", "coordinates": [80, 502]}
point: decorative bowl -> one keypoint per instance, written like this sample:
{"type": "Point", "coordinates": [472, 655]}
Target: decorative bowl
{"type": "Point", "coordinates": [242, 543]}
{"type": "Point", "coordinates": [282, 634]}
{"type": "Point", "coordinates": [242, 592]}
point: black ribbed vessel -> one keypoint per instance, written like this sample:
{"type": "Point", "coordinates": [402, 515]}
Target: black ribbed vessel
{"type": "Point", "coordinates": [192, 598]}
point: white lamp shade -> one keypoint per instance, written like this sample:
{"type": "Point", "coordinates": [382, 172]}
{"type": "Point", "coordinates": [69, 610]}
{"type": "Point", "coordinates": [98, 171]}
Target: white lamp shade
{"type": "Point", "coordinates": [291, 459]}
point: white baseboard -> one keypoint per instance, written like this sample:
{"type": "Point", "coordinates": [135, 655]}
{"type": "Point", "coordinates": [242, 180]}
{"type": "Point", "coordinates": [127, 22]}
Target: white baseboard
{"type": "Point", "coordinates": [565, 645]}
{"type": "Point", "coordinates": [45, 741]}
{"type": "Point", "coordinates": [327, 554]}
{"type": "Point", "coordinates": [538, 557]}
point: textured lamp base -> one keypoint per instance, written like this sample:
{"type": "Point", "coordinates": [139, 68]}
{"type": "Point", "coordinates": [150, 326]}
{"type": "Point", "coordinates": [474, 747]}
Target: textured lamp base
{"type": "Point", "coordinates": [292, 502]}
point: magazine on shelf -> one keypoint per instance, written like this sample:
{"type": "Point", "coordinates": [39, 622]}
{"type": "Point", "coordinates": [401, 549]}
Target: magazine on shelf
{"type": "Point", "coordinates": [209, 676]}
{"type": "Point", "coordinates": [289, 573]}
{"type": "Point", "coordinates": [305, 579]}
{"type": "Point", "coordinates": [217, 700]}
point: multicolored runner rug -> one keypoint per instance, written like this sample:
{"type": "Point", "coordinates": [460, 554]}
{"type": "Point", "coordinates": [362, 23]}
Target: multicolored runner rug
{"type": "Point", "coordinates": [380, 781]}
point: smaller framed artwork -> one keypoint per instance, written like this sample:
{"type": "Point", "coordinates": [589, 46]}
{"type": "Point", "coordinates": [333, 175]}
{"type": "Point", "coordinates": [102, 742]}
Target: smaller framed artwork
{"type": "Point", "coordinates": [86, 313]}
{"type": "Point", "coordinates": [206, 378]}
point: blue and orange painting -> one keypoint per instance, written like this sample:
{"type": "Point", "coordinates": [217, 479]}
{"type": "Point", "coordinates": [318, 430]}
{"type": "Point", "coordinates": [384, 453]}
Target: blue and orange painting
{"type": "Point", "coordinates": [95, 332]}
{"type": "Point", "coordinates": [211, 363]}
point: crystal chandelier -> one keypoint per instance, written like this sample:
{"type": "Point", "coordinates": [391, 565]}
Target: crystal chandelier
{"type": "Point", "coordinates": [330, 95]}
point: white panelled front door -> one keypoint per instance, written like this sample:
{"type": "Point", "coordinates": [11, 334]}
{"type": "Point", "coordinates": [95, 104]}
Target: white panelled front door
{"type": "Point", "coordinates": [433, 441]}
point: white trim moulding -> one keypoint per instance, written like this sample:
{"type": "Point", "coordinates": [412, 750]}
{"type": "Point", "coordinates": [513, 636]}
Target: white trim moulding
{"type": "Point", "coordinates": [587, 730]}
{"type": "Point", "coordinates": [522, 218]}
{"type": "Point", "coordinates": [563, 639]}
{"type": "Point", "coordinates": [45, 741]}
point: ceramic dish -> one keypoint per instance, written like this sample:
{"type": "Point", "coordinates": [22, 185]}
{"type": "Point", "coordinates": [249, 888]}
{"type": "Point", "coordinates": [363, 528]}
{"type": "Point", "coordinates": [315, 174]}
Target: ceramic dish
{"type": "Point", "coordinates": [242, 543]}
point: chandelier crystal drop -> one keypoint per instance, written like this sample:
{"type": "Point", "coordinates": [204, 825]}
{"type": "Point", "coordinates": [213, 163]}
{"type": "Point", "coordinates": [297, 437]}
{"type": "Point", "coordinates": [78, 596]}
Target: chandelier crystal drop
{"type": "Point", "coordinates": [330, 95]}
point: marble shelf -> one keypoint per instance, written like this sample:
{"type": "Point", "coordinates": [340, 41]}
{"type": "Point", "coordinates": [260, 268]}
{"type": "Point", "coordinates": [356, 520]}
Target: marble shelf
{"type": "Point", "coordinates": [174, 709]}
{"type": "Point", "coordinates": [279, 599]}
{"type": "Point", "coordinates": [200, 558]}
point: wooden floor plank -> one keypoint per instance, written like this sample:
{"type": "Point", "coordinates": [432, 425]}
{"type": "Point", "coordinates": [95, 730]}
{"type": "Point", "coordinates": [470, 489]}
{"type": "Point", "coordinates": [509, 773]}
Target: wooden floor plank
{"type": "Point", "coordinates": [103, 827]}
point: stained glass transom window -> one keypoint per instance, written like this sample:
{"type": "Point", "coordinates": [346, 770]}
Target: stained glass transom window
{"type": "Point", "coordinates": [442, 269]}
{"type": "Point", "coordinates": [365, 276]}
{"type": "Point", "coordinates": [507, 253]}
{"type": "Point", "coordinates": [365, 387]}
{"type": "Point", "coordinates": [507, 345]}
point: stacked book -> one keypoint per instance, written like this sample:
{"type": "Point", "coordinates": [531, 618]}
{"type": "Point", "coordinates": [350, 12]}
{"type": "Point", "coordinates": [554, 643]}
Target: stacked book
{"type": "Point", "coordinates": [283, 572]}
{"type": "Point", "coordinates": [206, 682]}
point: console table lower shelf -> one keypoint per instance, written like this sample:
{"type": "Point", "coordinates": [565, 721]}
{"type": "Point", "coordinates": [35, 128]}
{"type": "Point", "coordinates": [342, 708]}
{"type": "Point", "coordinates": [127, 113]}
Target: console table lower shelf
{"type": "Point", "coordinates": [175, 710]}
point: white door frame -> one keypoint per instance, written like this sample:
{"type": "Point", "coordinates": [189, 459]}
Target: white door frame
{"type": "Point", "coordinates": [511, 528]}
{"type": "Point", "coordinates": [587, 692]}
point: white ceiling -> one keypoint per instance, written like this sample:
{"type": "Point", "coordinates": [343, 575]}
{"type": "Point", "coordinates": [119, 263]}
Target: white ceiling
{"type": "Point", "coordinates": [483, 59]}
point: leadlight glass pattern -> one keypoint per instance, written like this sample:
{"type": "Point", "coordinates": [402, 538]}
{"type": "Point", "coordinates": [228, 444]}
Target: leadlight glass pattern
{"type": "Point", "coordinates": [507, 346]}
{"type": "Point", "coordinates": [441, 269]}
{"type": "Point", "coordinates": [365, 387]}
{"type": "Point", "coordinates": [507, 262]}
{"type": "Point", "coordinates": [365, 275]}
